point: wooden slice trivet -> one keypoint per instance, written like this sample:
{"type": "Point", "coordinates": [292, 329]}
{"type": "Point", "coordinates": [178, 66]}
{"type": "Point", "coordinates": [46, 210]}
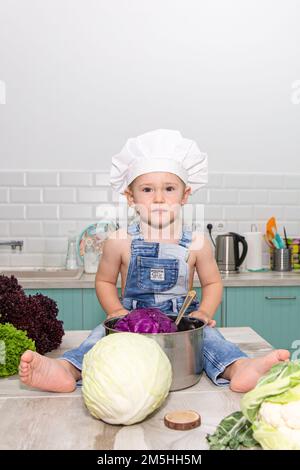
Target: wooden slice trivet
{"type": "Point", "coordinates": [182, 420]}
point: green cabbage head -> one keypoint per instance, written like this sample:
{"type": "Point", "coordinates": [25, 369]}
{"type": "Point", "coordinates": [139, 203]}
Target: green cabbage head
{"type": "Point", "coordinates": [125, 377]}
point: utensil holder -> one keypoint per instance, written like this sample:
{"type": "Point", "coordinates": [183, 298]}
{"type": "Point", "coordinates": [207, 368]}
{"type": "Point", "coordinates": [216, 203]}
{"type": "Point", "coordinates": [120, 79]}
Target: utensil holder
{"type": "Point", "coordinates": [281, 259]}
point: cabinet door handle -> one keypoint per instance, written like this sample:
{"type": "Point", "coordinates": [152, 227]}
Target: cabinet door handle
{"type": "Point", "coordinates": [289, 297]}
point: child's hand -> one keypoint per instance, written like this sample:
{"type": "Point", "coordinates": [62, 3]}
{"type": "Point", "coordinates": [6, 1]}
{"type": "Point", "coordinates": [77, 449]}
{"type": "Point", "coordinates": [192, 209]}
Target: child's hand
{"type": "Point", "coordinates": [203, 316]}
{"type": "Point", "coordinates": [118, 313]}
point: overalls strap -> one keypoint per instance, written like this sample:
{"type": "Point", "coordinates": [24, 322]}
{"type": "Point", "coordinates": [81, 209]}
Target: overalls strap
{"type": "Point", "coordinates": [186, 238]}
{"type": "Point", "coordinates": [185, 241]}
{"type": "Point", "coordinates": [135, 232]}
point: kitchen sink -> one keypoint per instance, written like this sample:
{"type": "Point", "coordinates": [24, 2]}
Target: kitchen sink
{"type": "Point", "coordinates": [42, 273]}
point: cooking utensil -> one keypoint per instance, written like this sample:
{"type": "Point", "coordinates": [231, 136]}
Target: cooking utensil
{"type": "Point", "coordinates": [275, 243]}
{"type": "Point", "coordinates": [279, 240]}
{"type": "Point", "coordinates": [190, 296]}
{"type": "Point", "coordinates": [285, 238]}
{"type": "Point", "coordinates": [268, 242]}
{"type": "Point", "coordinates": [282, 260]}
{"type": "Point", "coordinates": [273, 235]}
{"type": "Point", "coordinates": [271, 228]}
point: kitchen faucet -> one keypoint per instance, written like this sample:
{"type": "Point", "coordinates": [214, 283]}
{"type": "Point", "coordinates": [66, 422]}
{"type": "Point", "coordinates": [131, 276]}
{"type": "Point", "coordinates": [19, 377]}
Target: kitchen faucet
{"type": "Point", "coordinates": [13, 244]}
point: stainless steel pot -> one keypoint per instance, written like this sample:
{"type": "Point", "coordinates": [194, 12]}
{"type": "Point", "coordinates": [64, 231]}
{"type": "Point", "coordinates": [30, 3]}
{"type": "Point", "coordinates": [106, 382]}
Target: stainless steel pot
{"type": "Point", "coordinates": [183, 348]}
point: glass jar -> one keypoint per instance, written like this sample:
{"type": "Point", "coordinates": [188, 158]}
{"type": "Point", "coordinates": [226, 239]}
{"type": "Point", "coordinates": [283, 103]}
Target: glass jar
{"type": "Point", "coordinates": [71, 259]}
{"type": "Point", "coordinates": [90, 257]}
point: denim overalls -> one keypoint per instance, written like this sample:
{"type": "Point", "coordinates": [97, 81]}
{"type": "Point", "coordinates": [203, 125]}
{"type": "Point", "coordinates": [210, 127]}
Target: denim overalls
{"type": "Point", "coordinates": [158, 276]}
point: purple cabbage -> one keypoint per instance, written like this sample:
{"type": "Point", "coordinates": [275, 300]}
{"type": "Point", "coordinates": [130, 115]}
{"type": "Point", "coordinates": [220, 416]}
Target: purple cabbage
{"type": "Point", "coordinates": [146, 320]}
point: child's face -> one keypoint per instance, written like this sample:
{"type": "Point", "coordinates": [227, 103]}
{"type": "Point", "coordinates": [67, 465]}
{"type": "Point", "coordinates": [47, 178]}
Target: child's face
{"type": "Point", "coordinates": [158, 197]}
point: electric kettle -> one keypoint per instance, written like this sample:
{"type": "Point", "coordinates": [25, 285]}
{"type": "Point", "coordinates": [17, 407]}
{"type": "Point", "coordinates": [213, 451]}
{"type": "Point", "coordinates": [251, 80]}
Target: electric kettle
{"type": "Point", "coordinates": [227, 252]}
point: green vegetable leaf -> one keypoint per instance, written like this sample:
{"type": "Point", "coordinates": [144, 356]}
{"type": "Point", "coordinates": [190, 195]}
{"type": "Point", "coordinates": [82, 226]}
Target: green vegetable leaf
{"type": "Point", "coordinates": [281, 378]}
{"type": "Point", "coordinates": [233, 432]}
{"type": "Point", "coordinates": [13, 343]}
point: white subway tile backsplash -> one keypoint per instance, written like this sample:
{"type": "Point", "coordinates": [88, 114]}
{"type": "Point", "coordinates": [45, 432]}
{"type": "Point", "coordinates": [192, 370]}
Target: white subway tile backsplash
{"type": "Point", "coordinates": [79, 178]}
{"type": "Point", "coordinates": [42, 212]}
{"type": "Point", "coordinates": [269, 181]}
{"type": "Point", "coordinates": [4, 228]}
{"type": "Point", "coordinates": [76, 211]}
{"type": "Point", "coordinates": [46, 245]}
{"type": "Point", "coordinates": [25, 195]}
{"type": "Point", "coordinates": [34, 245]}
{"type": "Point", "coordinates": [284, 197]}
{"type": "Point", "coordinates": [91, 195]}
{"type": "Point", "coordinates": [246, 226]}
{"type": "Point", "coordinates": [102, 179]}
{"type": "Point", "coordinates": [253, 197]}
{"type": "Point", "coordinates": [215, 180]}
{"type": "Point", "coordinates": [292, 181]}
{"type": "Point", "coordinates": [223, 196]}
{"type": "Point", "coordinates": [41, 178]}
{"type": "Point", "coordinates": [238, 180]}
{"type": "Point", "coordinates": [265, 212]}
{"type": "Point", "coordinates": [292, 228]}
{"type": "Point", "coordinates": [232, 226]}
{"type": "Point", "coordinates": [3, 195]}
{"type": "Point", "coordinates": [54, 260]}
{"type": "Point", "coordinates": [42, 207]}
{"type": "Point", "coordinates": [291, 213]}
{"type": "Point", "coordinates": [4, 259]}
{"type": "Point", "coordinates": [27, 260]}
{"type": "Point", "coordinates": [202, 196]}
{"type": "Point", "coordinates": [213, 212]}
{"type": "Point", "coordinates": [59, 195]}
{"type": "Point", "coordinates": [238, 213]}
{"type": "Point", "coordinates": [56, 245]}
{"type": "Point", "coordinates": [10, 211]}
{"type": "Point", "coordinates": [59, 228]}
{"type": "Point", "coordinates": [12, 178]}
{"type": "Point", "coordinates": [25, 229]}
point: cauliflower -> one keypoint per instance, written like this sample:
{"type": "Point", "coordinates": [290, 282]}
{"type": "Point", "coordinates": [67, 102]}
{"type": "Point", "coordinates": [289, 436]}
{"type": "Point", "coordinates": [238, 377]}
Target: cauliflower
{"type": "Point", "coordinates": [270, 413]}
{"type": "Point", "coordinates": [278, 415]}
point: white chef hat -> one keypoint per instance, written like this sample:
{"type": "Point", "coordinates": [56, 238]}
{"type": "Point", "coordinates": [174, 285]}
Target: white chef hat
{"type": "Point", "coordinates": [160, 150]}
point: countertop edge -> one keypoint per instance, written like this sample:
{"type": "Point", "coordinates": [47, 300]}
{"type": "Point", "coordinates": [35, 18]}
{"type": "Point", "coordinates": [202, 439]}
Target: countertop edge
{"type": "Point", "coordinates": [87, 281]}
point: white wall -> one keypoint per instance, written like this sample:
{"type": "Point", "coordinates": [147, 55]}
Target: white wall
{"type": "Point", "coordinates": [82, 76]}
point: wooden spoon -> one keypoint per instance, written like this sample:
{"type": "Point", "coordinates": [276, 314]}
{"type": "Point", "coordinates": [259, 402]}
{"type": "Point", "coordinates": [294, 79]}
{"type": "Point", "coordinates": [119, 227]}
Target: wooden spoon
{"type": "Point", "coordinates": [187, 301]}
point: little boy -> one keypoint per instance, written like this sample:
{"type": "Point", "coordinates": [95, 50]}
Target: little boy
{"type": "Point", "coordinates": [157, 258]}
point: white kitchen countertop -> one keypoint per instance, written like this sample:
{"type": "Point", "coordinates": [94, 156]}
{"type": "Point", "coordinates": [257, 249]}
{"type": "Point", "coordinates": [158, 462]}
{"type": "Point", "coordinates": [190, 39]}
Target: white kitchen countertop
{"type": "Point", "coordinates": [242, 279]}
{"type": "Point", "coordinates": [31, 419]}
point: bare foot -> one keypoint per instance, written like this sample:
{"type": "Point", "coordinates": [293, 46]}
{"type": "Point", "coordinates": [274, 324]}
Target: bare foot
{"type": "Point", "coordinates": [44, 373]}
{"type": "Point", "coordinates": [245, 373]}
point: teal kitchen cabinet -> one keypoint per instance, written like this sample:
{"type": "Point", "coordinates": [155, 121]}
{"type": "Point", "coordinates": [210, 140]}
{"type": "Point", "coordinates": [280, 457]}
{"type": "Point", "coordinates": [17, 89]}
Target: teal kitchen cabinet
{"type": "Point", "coordinates": [69, 302]}
{"type": "Point", "coordinates": [79, 309]}
{"type": "Point", "coordinates": [93, 313]}
{"type": "Point", "coordinates": [273, 312]}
